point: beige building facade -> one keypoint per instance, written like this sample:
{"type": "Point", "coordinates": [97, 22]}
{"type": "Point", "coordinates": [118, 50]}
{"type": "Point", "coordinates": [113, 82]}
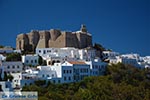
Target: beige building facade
{"type": "Point", "coordinates": [54, 38]}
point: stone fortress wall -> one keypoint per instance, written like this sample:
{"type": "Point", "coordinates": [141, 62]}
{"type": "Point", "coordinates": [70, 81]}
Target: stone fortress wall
{"type": "Point", "coordinates": [54, 38]}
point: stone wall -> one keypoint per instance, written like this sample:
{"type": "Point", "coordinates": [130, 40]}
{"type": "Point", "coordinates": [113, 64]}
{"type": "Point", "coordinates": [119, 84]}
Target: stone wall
{"type": "Point", "coordinates": [54, 38]}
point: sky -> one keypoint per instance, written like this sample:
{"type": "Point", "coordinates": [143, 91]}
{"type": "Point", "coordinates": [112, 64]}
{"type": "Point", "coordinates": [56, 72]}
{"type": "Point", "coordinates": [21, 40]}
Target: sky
{"type": "Point", "coordinates": [120, 25]}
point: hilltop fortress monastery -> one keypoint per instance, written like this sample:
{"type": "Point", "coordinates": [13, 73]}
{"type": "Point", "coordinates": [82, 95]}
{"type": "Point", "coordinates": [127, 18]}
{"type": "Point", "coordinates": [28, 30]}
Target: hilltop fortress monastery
{"type": "Point", "coordinates": [54, 38]}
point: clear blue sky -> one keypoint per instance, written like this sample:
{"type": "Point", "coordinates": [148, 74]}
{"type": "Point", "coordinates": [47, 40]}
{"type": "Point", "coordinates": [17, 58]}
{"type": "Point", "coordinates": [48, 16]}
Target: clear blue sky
{"type": "Point", "coordinates": [120, 25]}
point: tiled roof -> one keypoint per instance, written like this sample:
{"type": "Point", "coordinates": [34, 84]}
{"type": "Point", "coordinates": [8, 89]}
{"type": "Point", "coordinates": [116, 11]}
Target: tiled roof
{"type": "Point", "coordinates": [77, 62]}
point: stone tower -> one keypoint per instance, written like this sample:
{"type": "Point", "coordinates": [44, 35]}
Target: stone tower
{"type": "Point", "coordinates": [22, 42]}
{"type": "Point", "coordinates": [83, 28]}
{"type": "Point", "coordinates": [44, 38]}
{"type": "Point", "coordinates": [33, 38]}
{"type": "Point", "coordinates": [54, 38]}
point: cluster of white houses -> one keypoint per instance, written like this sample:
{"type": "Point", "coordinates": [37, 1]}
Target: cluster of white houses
{"type": "Point", "coordinates": [132, 59]}
{"type": "Point", "coordinates": [63, 65]}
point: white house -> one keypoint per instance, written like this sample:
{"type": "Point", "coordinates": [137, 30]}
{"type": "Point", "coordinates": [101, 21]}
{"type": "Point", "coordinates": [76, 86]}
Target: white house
{"type": "Point", "coordinates": [125, 59]}
{"type": "Point", "coordinates": [30, 60]}
{"type": "Point", "coordinates": [6, 86]}
{"type": "Point", "coordinates": [17, 77]}
{"type": "Point", "coordinates": [2, 58]}
{"type": "Point", "coordinates": [29, 76]}
{"type": "Point", "coordinates": [64, 72]}
{"type": "Point", "coordinates": [6, 49]}
{"type": "Point", "coordinates": [80, 70]}
{"type": "Point", "coordinates": [146, 59]}
{"type": "Point", "coordinates": [71, 71]}
{"type": "Point", "coordinates": [115, 60]}
{"type": "Point", "coordinates": [87, 54]}
{"type": "Point", "coordinates": [46, 72]}
{"type": "Point", "coordinates": [58, 52]}
{"type": "Point", "coordinates": [109, 54]}
{"type": "Point", "coordinates": [97, 67]}
{"type": "Point", "coordinates": [12, 66]}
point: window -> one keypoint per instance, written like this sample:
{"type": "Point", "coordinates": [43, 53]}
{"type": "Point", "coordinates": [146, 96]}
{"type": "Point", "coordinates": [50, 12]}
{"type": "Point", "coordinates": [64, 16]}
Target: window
{"type": "Point", "coordinates": [47, 75]}
{"type": "Point", "coordinates": [69, 78]}
{"type": "Point", "coordinates": [58, 81]}
{"type": "Point", "coordinates": [31, 61]}
{"type": "Point", "coordinates": [74, 77]}
{"type": "Point", "coordinates": [8, 67]}
{"type": "Point", "coordinates": [39, 51]}
{"type": "Point", "coordinates": [96, 66]}
{"type": "Point", "coordinates": [53, 81]}
{"type": "Point", "coordinates": [64, 71]}
{"type": "Point", "coordinates": [44, 52]}
{"type": "Point", "coordinates": [13, 66]}
{"type": "Point", "coordinates": [87, 70]}
{"type": "Point", "coordinates": [35, 61]}
{"type": "Point", "coordinates": [6, 86]}
{"type": "Point", "coordinates": [43, 75]}
{"type": "Point", "coordinates": [93, 66]}
{"type": "Point", "coordinates": [52, 75]}
{"type": "Point", "coordinates": [17, 66]}
{"type": "Point", "coordinates": [65, 78]}
{"type": "Point", "coordinates": [48, 50]}
{"type": "Point", "coordinates": [70, 71]}
{"type": "Point", "coordinates": [27, 61]}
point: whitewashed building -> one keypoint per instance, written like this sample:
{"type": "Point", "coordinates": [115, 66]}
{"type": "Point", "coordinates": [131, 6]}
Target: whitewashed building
{"type": "Point", "coordinates": [17, 77]}
{"type": "Point", "coordinates": [64, 72]}
{"type": "Point", "coordinates": [12, 66]}
{"type": "Point", "coordinates": [30, 60]}
{"type": "Point", "coordinates": [56, 55]}
{"type": "Point", "coordinates": [146, 59]}
{"type": "Point", "coordinates": [97, 67]}
{"type": "Point", "coordinates": [109, 54]}
{"type": "Point", "coordinates": [131, 59]}
{"type": "Point", "coordinates": [6, 86]}
{"type": "Point", "coordinates": [2, 58]}
{"type": "Point", "coordinates": [87, 54]}
{"type": "Point", "coordinates": [71, 71]}
{"type": "Point", "coordinates": [80, 70]}
{"type": "Point", "coordinates": [58, 52]}
{"type": "Point", "coordinates": [6, 49]}
{"type": "Point", "coordinates": [46, 72]}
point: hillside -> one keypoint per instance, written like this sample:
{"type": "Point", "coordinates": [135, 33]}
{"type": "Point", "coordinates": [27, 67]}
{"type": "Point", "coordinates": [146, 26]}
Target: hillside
{"type": "Point", "coordinates": [120, 82]}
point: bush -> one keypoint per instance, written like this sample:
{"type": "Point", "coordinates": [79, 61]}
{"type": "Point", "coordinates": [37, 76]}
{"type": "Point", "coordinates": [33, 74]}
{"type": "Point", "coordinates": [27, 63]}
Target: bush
{"type": "Point", "coordinates": [13, 57]}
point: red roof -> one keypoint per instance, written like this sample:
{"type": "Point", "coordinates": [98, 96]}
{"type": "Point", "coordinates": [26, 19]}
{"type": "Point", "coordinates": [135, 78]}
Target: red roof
{"type": "Point", "coordinates": [77, 62]}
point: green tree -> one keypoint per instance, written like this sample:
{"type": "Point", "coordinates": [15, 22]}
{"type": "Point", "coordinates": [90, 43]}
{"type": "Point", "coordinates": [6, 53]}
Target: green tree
{"type": "Point", "coordinates": [40, 82]}
{"type": "Point", "coordinates": [1, 46]}
{"type": "Point", "coordinates": [121, 82]}
{"type": "Point", "coordinates": [41, 61]}
{"type": "Point", "coordinates": [9, 76]}
{"type": "Point", "coordinates": [5, 76]}
{"type": "Point", "coordinates": [13, 57]}
{"type": "Point", "coordinates": [99, 47]}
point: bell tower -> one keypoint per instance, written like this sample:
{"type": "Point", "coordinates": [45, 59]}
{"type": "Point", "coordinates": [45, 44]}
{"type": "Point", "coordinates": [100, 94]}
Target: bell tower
{"type": "Point", "coordinates": [83, 28]}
